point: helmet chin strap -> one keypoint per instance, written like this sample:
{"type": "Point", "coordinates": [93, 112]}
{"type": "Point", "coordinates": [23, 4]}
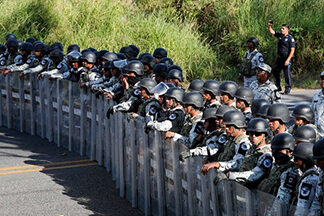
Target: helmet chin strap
{"type": "Point", "coordinates": [234, 130]}
{"type": "Point", "coordinates": [259, 143]}
{"type": "Point", "coordinates": [276, 130]}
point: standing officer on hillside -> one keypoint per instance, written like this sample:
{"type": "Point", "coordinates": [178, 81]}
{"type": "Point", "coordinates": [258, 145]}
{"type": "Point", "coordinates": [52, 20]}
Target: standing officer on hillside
{"type": "Point", "coordinates": [286, 50]}
{"type": "Point", "coordinates": [252, 58]}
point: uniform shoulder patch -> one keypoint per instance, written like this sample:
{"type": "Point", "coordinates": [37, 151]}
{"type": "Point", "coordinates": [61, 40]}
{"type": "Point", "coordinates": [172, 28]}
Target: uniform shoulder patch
{"type": "Point", "coordinates": [28, 61]}
{"type": "Point", "coordinates": [136, 92]}
{"type": "Point", "coordinates": [222, 139]}
{"type": "Point", "coordinates": [305, 191]}
{"type": "Point", "coordinates": [152, 110]}
{"type": "Point", "coordinates": [291, 180]}
{"type": "Point", "coordinates": [59, 66]}
{"type": "Point", "coordinates": [267, 163]}
{"type": "Point", "coordinates": [173, 116]}
{"type": "Point", "coordinates": [243, 148]}
{"type": "Point", "coordinates": [261, 60]}
{"type": "Point", "coordinates": [43, 62]}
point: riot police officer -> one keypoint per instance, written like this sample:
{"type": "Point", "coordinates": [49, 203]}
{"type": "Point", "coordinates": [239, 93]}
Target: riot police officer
{"type": "Point", "coordinates": [235, 150]}
{"type": "Point", "coordinates": [278, 115]}
{"type": "Point", "coordinates": [303, 115]}
{"type": "Point", "coordinates": [282, 146]}
{"type": "Point", "coordinates": [175, 77]}
{"type": "Point", "coordinates": [227, 91]}
{"type": "Point", "coordinates": [160, 53]}
{"type": "Point", "coordinates": [263, 87]}
{"type": "Point", "coordinates": [173, 117]}
{"type": "Point", "coordinates": [306, 187]}
{"type": "Point", "coordinates": [318, 107]}
{"type": "Point", "coordinates": [244, 98]}
{"type": "Point", "coordinates": [211, 93]}
{"type": "Point", "coordinates": [192, 102]}
{"type": "Point", "coordinates": [258, 161]}
{"type": "Point", "coordinates": [251, 59]}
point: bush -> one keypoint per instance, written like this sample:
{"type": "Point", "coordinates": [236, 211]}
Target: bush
{"type": "Point", "coordinates": [207, 38]}
{"type": "Point", "coordinates": [226, 24]}
{"type": "Point", "coordinates": [110, 25]}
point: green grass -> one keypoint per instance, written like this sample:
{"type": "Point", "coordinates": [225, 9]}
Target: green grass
{"type": "Point", "coordinates": [206, 38]}
{"type": "Point", "coordinates": [110, 25]}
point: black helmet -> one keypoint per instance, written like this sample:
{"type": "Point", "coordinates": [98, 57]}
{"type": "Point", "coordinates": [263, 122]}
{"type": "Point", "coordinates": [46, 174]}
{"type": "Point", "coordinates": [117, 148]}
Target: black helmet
{"type": "Point", "coordinates": [109, 56]}
{"type": "Point", "coordinates": [56, 45]}
{"type": "Point", "coordinates": [196, 85]}
{"type": "Point", "coordinates": [257, 103]}
{"type": "Point", "coordinates": [74, 56]}
{"type": "Point", "coordinates": [258, 125]}
{"type": "Point", "coordinates": [304, 151]}
{"type": "Point", "coordinates": [135, 49]}
{"type": "Point", "coordinates": [263, 111]}
{"type": "Point", "coordinates": [304, 111]}
{"type": "Point", "coordinates": [73, 47]}
{"type": "Point", "coordinates": [40, 47]}
{"type": "Point", "coordinates": [147, 83]}
{"type": "Point", "coordinates": [91, 49]}
{"type": "Point", "coordinates": [128, 51]}
{"type": "Point", "coordinates": [30, 40]}
{"type": "Point", "coordinates": [175, 74]}
{"type": "Point", "coordinates": [229, 87]}
{"type": "Point", "coordinates": [148, 60]}
{"type": "Point", "coordinates": [318, 150]}
{"type": "Point", "coordinates": [20, 43]}
{"type": "Point", "coordinates": [90, 57]}
{"type": "Point", "coordinates": [135, 66]}
{"type": "Point", "coordinates": [254, 40]}
{"type": "Point", "coordinates": [245, 94]}
{"type": "Point", "coordinates": [193, 98]}
{"type": "Point", "coordinates": [11, 36]}
{"type": "Point", "coordinates": [283, 141]}
{"type": "Point", "coordinates": [161, 70]}
{"type": "Point", "coordinates": [264, 67]}
{"type": "Point", "coordinates": [175, 93]}
{"type": "Point", "coordinates": [222, 110]}
{"type": "Point", "coordinates": [28, 47]}
{"type": "Point", "coordinates": [209, 113]}
{"type": "Point", "coordinates": [121, 56]}
{"type": "Point", "coordinates": [279, 112]}
{"type": "Point", "coordinates": [12, 43]}
{"type": "Point", "coordinates": [212, 87]}
{"type": "Point", "coordinates": [305, 133]}
{"type": "Point", "coordinates": [101, 53]}
{"type": "Point", "coordinates": [160, 53]}
{"type": "Point", "coordinates": [175, 67]}
{"type": "Point", "coordinates": [56, 55]}
{"type": "Point", "coordinates": [234, 118]}
{"type": "Point", "coordinates": [167, 61]}
{"type": "Point", "coordinates": [143, 54]}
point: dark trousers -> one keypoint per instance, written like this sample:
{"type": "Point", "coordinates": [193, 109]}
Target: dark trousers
{"type": "Point", "coordinates": [279, 66]}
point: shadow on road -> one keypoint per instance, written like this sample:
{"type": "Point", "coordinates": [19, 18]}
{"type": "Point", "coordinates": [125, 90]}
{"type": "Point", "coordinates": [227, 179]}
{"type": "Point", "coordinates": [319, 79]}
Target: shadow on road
{"type": "Point", "coordinates": [91, 186]}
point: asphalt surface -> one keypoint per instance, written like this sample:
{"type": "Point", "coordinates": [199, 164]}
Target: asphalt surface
{"type": "Point", "coordinates": [61, 185]}
{"type": "Point", "coordinates": [298, 96]}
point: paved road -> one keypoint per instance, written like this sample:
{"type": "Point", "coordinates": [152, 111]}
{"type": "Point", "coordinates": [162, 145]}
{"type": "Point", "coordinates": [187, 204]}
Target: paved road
{"type": "Point", "coordinates": [299, 96]}
{"type": "Point", "coordinates": [63, 185]}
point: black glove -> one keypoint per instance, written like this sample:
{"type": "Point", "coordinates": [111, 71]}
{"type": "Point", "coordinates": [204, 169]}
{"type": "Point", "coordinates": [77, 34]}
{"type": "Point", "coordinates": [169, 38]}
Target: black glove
{"type": "Point", "coordinates": [109, 112]}
{"type": "Point", "coordinates": [199, 129]}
